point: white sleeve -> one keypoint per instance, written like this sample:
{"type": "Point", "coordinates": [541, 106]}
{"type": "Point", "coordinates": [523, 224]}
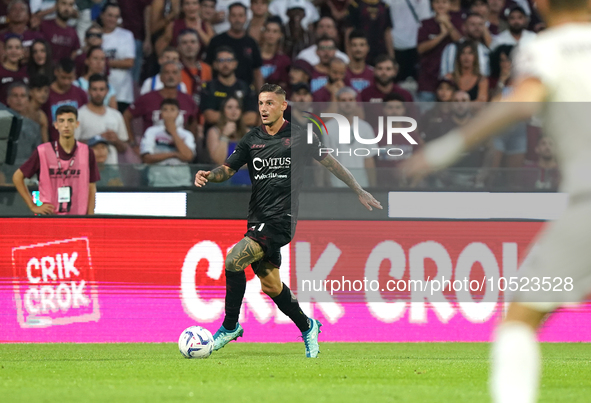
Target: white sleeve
{"type": "Point", "coordinates": [189, 140]}
{"type": "Point", "coordinates": [146, 86]}
{"type": "Point", "coordinates": [126, 48]}
{"type": "Point", "coordinates": [537, 60]}
{"type": "Point", "coordinates": [121, 128]}
{"type": "Point", "coordinates": [147, 144]}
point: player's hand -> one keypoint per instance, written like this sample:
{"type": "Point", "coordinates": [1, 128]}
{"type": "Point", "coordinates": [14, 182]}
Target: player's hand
{"type": "Point", "coordinates": [201, 178]}
{"type": "Point", "coordinates": [44, 209]}
{"type": "Point", "coordinates": [368, 201]}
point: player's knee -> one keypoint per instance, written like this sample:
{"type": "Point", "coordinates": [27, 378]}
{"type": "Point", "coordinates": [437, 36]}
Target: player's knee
{"type": "Point", "coordinates": [272, 290]}
{"type": "Point", "coordinates": [231, 265]}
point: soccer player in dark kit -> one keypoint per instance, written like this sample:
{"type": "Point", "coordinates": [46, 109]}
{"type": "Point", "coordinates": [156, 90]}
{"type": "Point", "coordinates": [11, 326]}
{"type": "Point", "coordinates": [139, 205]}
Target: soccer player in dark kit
{"type": "Point", "coordinates": [275, 173]}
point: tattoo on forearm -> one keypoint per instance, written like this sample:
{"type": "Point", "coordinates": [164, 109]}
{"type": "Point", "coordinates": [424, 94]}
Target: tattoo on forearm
{"type": "Point", "coordinates": [244, 253]}
{"type": "Point", "coordinates": [220, 174]}
{"type": "Point", "coordinates": [341, 172]}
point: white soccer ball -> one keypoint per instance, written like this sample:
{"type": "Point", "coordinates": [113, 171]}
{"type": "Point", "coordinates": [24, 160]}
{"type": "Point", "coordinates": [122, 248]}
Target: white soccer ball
{"type": "Point", "coordinates": [196, 342]}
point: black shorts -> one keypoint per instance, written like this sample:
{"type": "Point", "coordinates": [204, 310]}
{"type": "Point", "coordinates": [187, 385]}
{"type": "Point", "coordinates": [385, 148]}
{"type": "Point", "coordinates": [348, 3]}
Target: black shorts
{"type": "Point", "coordinates": [271, 236]}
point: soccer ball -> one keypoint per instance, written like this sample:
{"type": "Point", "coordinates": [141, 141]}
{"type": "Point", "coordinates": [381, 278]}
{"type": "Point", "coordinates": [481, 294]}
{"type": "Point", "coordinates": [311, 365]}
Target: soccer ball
{"type": "Point", "coordinates": [196, 342]}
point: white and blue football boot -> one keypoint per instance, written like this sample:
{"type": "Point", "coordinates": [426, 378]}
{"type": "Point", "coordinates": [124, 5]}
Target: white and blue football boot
{"type": "Point", "coordinates": [310, 337]}
{"type": "Point", "coordinates": [223, 336]}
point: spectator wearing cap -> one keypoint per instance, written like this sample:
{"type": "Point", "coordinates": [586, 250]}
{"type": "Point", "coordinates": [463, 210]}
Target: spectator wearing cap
{"type": "Point", "coordinates": [119, 46]}
{"type": "Point", "coordinates": [297, 36]}
{"type": "Point", "coordinates": [434, 35]}
{"type": "Point", "coordinates": [10, 69]}
{"type": "Point", "coordinates": [195, 72]}
{"type": "Point", "coordinates": [227, 84]}
{"type": "Point", "coordinates": [246, 50]}
{"type": "Point", "coordinates": [30, 136]}
{"type": "Point", "coordinates": [259, 9]}
{"type": "Point", "coordinates": [275, 69]}
{"type": "Point", "coordinates": [324, 27]}
{"type": "Point", "coordinates": [18, 20]}
{"type": "Point", "coordinates": [372, 17]}
{"type": "Point", "coordinates": [109, 173]}
{"type": "Point", "coordinates": [96, 119]}
{"type": "Point", "coordinates": [517, 33]}
{"type": "Point", "coordinates": [168, 148]}
{"type": "Point", "coordinates": [359, 74]}
{"type": "Point", "coordinates": [473, 28]}
{"type": "Point", "coordinates": [280, 8]}
{"type": "Point", "coordinates": [62, 37]}
{"type": "Point", "coordinates": [63, 92]}
{"type": "Point", "coordinates": [191, 20]}
{"type": "Point", "coordinates": [154, 83]}
{"type": "Point", "coordinates": [406, 18]}
{"type": "Point", "coordinates": [300, 102]}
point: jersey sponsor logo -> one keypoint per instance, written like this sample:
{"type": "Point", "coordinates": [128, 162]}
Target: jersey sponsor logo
{"type": "Point", "coordinates": [286, 142]}
{"type": "Point", "coordinates": [220, 94]}
{"type": "Point", "coordinates": [269, 176]}
{"type": "Point", "coordinates": [271, 163]}
{"type": "Point", "coordinates": [258, 146]}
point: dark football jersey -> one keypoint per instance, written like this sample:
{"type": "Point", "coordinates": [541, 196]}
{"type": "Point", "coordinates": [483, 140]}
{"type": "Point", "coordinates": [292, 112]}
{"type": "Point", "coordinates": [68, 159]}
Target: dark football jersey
{"type": "Point", "coordinates": [276, 167]}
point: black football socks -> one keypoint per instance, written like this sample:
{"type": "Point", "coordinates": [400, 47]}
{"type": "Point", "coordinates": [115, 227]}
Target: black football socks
{"type": "Point", "coordinates": [235, 288]}
{"type": "Point", "coordinates": [288, 304]}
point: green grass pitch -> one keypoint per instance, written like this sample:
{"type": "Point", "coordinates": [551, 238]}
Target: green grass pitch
{"type": "Point", "coordinates": [242, 372]}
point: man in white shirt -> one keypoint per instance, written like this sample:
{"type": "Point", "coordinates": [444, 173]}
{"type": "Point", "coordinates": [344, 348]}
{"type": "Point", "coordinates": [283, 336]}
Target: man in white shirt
{"type": "Point", "coordinates": [222, 8]}
{"type": "Point", "coordinates": [406, 20]}
{"type": "Point", "coordinates": [325, 27]}
{"type": "Point", "coordinates": [169, 148]}
{"type": "Point", "coordinates": [119, 46]}
{"type": "Point", "coordinates": [154, 83]}
{"type": "Point", "coordinates": [362, 166]}
{"type": "Point", "coordinates": [96, 119]}
{"type": "Point", "coordinates": [516, 34]}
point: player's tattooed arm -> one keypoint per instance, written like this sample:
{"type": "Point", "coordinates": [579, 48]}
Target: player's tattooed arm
{"type": "Point", "coordinates": [338, 170]}
{"type": "Point", "coordinates": [216, 175]}
{"type": "Point", "coordinates": [243, 253]}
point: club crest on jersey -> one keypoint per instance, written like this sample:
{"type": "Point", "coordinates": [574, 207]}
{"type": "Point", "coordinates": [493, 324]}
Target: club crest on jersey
{"type": "Point", "coordinates": [286, 142]}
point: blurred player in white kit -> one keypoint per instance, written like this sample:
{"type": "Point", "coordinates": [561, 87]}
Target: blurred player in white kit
{"type": "Point", "coordinates": [552, 78]}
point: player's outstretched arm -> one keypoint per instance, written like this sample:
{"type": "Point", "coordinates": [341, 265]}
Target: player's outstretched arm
{"type": "Point", "coordinates": [443, 152]}
{"type": "Point", "coordinates": [338, 170]}
{"type": "Point", "coordinates": [216, 175]}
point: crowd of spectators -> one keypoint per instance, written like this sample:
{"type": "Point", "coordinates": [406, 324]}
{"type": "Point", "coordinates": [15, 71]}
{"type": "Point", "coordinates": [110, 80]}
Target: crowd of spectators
{"type": "Point", "coordinates": [174, 82]}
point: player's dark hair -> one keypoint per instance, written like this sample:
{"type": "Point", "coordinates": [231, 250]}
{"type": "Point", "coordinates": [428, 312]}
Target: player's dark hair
{"type": "Point", "coordinates": [39, 81]}
{"type": "Point", "coordinates": [226, 49]}
{"type": "Point", "coordinates": [66, 65]}
{"type": "Point", "coordinates": [274, 88]}
{"type": "Point", "coordinates": [324, 39]}
{"type": "Point", "coordinates": [357, 34]}
{"type": "Point", "coordinates": [91, 50]}
{"type": "Point", "coordinates": [568, 5]}
{"type": "Point", "coordinates": [170, 101]}
{"type": "Point", "coordinates": [95, 78]}
{"type": "Point", "coordinates": [66, 109]}
{"type": "Point", "coordinates": [385, 58]}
